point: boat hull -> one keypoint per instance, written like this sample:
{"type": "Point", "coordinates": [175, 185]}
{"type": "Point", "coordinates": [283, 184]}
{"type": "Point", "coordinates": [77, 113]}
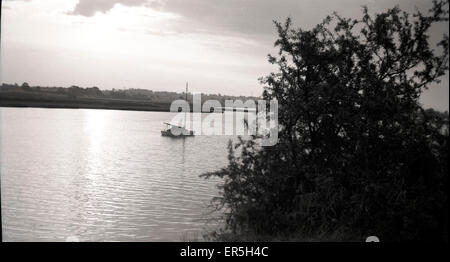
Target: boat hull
{"type": "Point", "coordinates": [168, 133]}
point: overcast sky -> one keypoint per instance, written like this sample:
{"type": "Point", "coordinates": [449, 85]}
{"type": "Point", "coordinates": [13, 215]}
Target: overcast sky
{"type": "Point", "coordinates": [219, 46]}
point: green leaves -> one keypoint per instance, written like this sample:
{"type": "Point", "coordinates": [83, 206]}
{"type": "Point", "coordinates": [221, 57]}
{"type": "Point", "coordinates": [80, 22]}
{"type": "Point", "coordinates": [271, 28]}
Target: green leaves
{"type": "Point", "coordinates": [356, 151]}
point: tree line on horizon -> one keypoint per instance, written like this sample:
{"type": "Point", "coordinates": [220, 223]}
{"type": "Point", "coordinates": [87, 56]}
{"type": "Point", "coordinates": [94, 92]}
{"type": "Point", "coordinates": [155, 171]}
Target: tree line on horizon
{"type": "Point", "coordinates": [74, 92]}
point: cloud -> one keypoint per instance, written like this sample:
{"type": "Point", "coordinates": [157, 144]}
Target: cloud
{"type": "Point", "coordinates": [255, 17]}
{"type": "Point", "coordinates": [91, 7]}
{"type": "Point", "coordinates": [225, 16]}
{"type": "Point", "coordinates": [245, 17]}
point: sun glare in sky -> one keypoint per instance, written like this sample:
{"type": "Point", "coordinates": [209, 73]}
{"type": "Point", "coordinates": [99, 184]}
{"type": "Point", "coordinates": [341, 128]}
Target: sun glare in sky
{"type": "Point", "coordinates": [219, 47]}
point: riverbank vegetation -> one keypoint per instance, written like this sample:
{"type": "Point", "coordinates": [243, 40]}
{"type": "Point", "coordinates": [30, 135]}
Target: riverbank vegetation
{"type": "Point", "coordinates": [357, 154]}
{"type": "Point", "coordinates": [24, 95]}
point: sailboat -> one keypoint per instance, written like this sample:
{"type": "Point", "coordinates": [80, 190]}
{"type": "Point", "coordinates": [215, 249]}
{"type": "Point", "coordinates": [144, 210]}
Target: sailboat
{"type": "Point", "coordinates": [172, 130]}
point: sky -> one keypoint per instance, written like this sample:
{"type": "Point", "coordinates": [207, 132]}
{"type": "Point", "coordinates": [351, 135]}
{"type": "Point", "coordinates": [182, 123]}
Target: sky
{"type": "Point", "coordinates": [218, 46]}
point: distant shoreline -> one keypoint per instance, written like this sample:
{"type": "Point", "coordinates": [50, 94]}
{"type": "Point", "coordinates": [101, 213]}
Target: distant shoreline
{"type": "Point", "coordinates": [85, 104]}
{"type": "Point", "coordinates": [74, 97]}
{"type": "Point", "coordinates": [81, 107]}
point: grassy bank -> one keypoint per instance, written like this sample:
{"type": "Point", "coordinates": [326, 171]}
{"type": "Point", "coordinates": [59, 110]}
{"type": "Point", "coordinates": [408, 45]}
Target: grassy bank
{"type": "Point", "coordinates": [25, 100]}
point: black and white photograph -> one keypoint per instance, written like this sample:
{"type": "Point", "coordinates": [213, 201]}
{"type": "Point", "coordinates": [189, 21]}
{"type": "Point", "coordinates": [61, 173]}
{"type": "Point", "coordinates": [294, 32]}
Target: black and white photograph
{"type": "Point", "coordinates": [250, 121]}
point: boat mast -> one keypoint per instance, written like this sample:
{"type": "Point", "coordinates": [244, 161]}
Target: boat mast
{"type": "Point", "coordinates": [186, 101]}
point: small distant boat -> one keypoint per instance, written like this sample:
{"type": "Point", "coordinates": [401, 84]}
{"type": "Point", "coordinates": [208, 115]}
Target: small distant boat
{"type": "Point", "coordinates": [177, 131]}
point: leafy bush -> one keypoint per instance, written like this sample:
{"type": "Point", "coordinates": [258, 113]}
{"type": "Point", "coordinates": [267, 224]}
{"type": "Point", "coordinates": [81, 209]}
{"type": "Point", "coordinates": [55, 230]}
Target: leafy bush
{"type": "Point", "coordinates": [357, 154]}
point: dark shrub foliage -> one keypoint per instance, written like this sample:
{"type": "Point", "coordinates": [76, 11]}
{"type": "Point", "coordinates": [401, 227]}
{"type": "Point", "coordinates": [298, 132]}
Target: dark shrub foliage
{"type": "Point", "coordinates": [357, 154]}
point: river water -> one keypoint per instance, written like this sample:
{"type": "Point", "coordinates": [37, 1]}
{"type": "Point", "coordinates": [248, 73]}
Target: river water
{"type": "Point", "coordinates": [103, 175]}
